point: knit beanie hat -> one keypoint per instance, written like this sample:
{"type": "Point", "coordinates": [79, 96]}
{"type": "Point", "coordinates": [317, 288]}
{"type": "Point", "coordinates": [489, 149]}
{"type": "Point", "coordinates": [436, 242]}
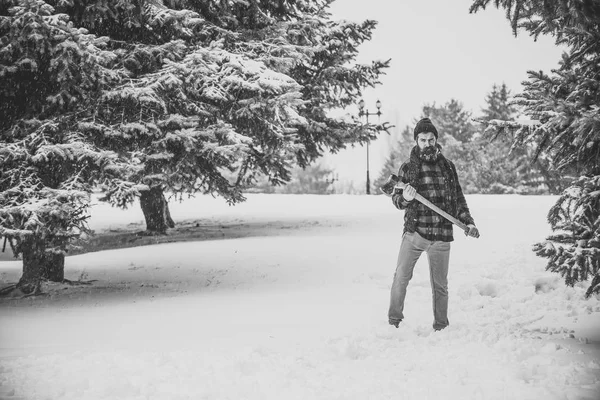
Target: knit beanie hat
{"type": "Point", "coordinates": [425, 125]}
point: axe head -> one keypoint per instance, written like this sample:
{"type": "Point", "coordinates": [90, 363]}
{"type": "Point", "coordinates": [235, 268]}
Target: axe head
{"type": "Point", "coordinates": [388, 187]}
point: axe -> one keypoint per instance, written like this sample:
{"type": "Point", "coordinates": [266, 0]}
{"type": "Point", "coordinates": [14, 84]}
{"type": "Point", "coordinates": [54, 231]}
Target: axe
{"type": "Point", "coordinates": [394, 183]}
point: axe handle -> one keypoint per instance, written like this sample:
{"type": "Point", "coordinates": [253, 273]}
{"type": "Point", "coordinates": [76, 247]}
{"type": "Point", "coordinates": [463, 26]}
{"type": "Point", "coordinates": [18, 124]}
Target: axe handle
{"type": "Point", "coordinates": [431, 206]}
{"type": "Point", "coordinates": [443, 213]}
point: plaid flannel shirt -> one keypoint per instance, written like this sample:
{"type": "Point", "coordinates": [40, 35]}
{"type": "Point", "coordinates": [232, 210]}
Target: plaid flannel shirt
{"type": "Point", "coordinates": [434, 187]}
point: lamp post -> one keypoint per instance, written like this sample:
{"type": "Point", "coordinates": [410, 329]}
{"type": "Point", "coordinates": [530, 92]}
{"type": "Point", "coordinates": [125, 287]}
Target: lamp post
{"type": "Point", "coordinates": [362, 111]}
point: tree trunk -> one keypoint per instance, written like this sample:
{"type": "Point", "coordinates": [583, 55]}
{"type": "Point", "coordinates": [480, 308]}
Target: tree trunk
{"type": "Point", "coordinates": [53, 267]}
{"type": "Point", "coordinates": [33, 265]}
{"type": "Point", "coordinates": [156, 211]}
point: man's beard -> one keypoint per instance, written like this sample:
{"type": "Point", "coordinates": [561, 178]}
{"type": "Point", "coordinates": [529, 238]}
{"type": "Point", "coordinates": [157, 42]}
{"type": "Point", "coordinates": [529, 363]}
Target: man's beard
{"type": "Point", "coordinates": [429, 154]}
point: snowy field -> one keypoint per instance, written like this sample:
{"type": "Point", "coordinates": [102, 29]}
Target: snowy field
{"type": "Point", "coordinates": [297, 309]}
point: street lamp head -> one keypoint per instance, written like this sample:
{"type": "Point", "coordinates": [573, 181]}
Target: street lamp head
{"type": "Point", "coordinates": [361, 104]}
{"type": "Point", "coordinates": [378, 104]}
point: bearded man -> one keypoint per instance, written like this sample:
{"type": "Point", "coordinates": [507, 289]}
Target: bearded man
{"type": "Point", "coordinates": [434, 177]}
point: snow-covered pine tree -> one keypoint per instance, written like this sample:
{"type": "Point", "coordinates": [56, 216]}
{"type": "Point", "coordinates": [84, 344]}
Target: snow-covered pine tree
{"type": "Point", "coordinates": [574, 249]}
{"type": "Point", "coordinates": [451, 119]}
{"type": "Point", "coordinates": [49, 72]}
{"type": "Point", "coordinates": [500, 170]}
{"type": "Point", "coordinates": [144, 97]}
{"type": "Point", "coordinates": [499, 104]}
{"type": "Point", "coordinates": [219, 92]}
{"type": "Point", "coordinates": [566, 107]}
{"type": "Point", "coordinates": [507, 167]}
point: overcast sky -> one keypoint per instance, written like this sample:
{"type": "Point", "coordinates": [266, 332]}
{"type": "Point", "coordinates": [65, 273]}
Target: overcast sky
{"type": "Point", "coordinates": [438, 51]}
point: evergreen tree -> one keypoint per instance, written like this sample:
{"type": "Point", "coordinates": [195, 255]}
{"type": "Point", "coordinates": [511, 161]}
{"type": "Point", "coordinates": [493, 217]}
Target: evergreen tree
{"type": "Point", "coordinates": [220, 89]}
{"type": "Point", "coordinates": [498, 104]}
{"type": "Point", "coordinates": [50, 72]}
{"type": "Point", "coordinates": [451, 119]}
{"type": "Point", "coordinates": [510, 169]}
{"type": "Point", "coordinates": [574, 250]}
{"type": "Point", "coordinates": [163, 96]}
{"type": "Point", "coordinates": [500, 169]}
{"type": "Point", "coordinates": [565, 106]}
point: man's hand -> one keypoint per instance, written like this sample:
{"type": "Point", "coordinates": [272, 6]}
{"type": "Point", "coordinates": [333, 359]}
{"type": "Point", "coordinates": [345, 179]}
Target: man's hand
{"type": "Point", "coordinates": [472, 231]}
{"type": "Point", "coordinates": [409, 193]}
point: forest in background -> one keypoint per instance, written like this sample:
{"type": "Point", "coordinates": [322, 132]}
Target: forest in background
{"type": "Point", "coordinates": [486, 164]}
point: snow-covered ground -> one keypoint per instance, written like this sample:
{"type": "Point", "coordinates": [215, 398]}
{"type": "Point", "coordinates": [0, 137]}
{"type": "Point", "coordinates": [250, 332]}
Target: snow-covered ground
{"type": "Point", "coordinates": [297, 309]}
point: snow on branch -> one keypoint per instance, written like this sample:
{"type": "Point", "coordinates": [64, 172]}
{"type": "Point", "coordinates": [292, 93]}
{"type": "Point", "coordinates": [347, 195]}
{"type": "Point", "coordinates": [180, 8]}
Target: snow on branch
{"type": "Point", "coordinates": [574, 250]}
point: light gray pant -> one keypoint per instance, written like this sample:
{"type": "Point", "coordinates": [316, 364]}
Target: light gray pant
{"type": "Point", "coordinates": [438, 254]}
